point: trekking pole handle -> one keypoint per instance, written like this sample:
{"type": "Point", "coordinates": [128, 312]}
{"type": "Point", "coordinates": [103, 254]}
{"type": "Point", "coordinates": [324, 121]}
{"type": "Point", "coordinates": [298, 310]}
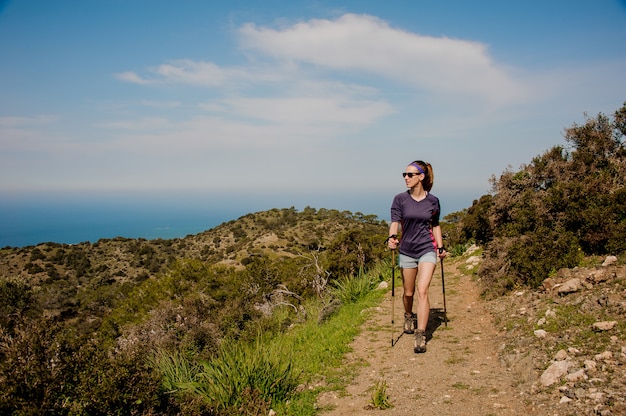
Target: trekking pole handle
{"type": "Point", "coordinates": [392, 242]}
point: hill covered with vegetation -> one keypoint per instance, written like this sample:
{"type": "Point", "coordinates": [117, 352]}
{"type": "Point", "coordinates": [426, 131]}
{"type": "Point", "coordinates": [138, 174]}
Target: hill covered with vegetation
{"type": "Point", "coordinates": [235, 320]}
{"type": "Point", "coordinates": [80, 324]}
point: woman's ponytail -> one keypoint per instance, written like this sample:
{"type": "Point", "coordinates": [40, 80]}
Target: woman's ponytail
{"type": "Point", "coordinates": [429, 176]}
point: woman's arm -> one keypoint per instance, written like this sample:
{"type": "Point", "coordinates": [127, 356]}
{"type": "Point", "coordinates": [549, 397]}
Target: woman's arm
{"type": "Point", "coordinates": [441, 252]}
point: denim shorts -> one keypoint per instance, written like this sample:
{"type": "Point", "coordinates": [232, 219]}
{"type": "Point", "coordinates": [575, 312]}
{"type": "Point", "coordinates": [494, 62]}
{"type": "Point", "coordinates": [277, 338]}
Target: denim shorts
{"type": "Point", "coordinates": [406, 262]}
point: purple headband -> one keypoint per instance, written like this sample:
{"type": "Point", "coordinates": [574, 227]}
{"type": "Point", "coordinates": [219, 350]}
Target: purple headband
{"type": "Point", "coordinates": [419, 168]}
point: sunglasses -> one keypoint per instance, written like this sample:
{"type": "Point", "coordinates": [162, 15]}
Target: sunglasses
{"type": "Point", "coordinates": [409, 174]}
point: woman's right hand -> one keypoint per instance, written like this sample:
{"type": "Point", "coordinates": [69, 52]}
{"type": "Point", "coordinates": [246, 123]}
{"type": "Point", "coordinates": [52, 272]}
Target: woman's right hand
{"type": "Point", "coordinates": [393, 242]}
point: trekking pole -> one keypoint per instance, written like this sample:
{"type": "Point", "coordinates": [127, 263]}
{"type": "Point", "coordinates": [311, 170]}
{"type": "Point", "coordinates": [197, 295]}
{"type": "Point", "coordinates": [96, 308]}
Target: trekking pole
{"type": "Point", "coordinates": [393, 291]}
{"type": "Point", "coordinates": [395, 340]}
{"type": "Point", "coordinates": [443, 285]}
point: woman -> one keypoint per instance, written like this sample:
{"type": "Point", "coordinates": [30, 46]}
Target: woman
{"type": "Point", "coordinates": [416, 211]}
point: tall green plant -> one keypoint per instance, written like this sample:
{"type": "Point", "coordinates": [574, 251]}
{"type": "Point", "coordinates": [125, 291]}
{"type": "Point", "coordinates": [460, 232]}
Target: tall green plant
{"type": "Point", "coordinates": [244, 370]}
{"type": "Point", "coordinates": [176, 370]}
{"type": "Point", "coordinates": [350, 289]}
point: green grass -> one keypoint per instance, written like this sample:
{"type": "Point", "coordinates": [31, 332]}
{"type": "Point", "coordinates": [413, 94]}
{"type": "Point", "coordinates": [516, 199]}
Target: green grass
{"type": "Point", "coordinates": [266, 373]}
{"type": "Point", "coordinates": [455, 359]}
{"type": "Point", "coordinates": [575, 321]}
{"type": "Point", "coordinates": [319, 350]}
{"type": "Point", "coordinates": [175, 368]}
{"type": "Point", "coordinates": [380, 398]}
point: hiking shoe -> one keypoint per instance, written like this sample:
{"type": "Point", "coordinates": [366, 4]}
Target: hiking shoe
{"type": "Point", "coordinates": [420, 342]}
{"type": "Point", "coordinates": [410, 323]}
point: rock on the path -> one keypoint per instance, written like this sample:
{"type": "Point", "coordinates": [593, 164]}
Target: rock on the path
{"type": "Point", "coordinates": [572, 285]}
{"type": "Point", "coordinates": [473, 261]}
{"type": "Point", "coordinates": [561, 355]}
{"type": "Point", "coordinates": [576, 376]}
{"type": "Point", "coordinates": [609, 260]}
{"type": "Point", "coordinates": [604, 356]}
{"type": "Point", "coordinates": [604, 325]}
{"type": "Point", "coordinates": [554, 373]}
{"type": "Point", "coordinates": [590, 364]}
{"type": "Point", "coordinates": [472, 249]}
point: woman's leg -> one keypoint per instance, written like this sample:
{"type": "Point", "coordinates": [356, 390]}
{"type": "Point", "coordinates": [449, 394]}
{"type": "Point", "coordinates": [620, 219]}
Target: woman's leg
{"type": "Point", "coordinates": [424, 276]}
{"type": "Point", "coordinates": [408, 284]}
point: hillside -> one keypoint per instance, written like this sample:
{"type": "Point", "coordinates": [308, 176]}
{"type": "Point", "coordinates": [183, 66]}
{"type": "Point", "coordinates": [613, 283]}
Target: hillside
{"type": "Point", "coordinates": [63, 272]}
{"type": "Point", "coordinates": [178, 293]}
{"type": "Point", "coordinates": [276, 233]}
{"type": "Point", "coordinates": [107, 310]}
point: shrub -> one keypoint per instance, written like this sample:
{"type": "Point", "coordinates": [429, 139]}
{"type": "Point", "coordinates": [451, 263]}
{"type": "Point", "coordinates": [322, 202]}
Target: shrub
{"type": "Point", "coordinates": [352, 251]}
{"type": "Point", "coordinates": [46, 368]}
{"type": "Point", "coordinates": [120, 383]}
{"type": "Point", "coordinates": [16, 298]}
{"type": "Point", "coordinates": [475, 224]}
{"type": "Point", "coordinates": [34, 360]}
{"type": "Point", "coordinates": [561, 206]}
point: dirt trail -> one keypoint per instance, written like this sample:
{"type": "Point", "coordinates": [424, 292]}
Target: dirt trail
{"type": "Point", "coordinates": [460, 373]}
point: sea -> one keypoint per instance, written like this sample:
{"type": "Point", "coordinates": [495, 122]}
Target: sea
{"type": "Point", "coordinates": [31, 218]}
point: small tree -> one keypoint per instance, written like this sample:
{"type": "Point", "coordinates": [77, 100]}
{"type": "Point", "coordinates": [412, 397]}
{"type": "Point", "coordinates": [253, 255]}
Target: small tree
{"type": "Point", "coordinates": [563, 204]}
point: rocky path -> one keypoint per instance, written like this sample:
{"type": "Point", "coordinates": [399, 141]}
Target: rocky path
{"type": "Point", "coordinates": [460, 373]}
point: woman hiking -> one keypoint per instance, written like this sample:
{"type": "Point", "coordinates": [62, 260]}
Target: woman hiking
{"type": "Point", "coordinates": [415, 213]}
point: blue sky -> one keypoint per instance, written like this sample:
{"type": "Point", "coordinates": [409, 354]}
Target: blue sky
{"type": "Point", "coordinates": [295, 96]}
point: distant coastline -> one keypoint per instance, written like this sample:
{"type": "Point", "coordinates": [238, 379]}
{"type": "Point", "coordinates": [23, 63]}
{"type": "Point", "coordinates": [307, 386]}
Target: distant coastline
{"type": "Point", "coordinates": [28, 219]}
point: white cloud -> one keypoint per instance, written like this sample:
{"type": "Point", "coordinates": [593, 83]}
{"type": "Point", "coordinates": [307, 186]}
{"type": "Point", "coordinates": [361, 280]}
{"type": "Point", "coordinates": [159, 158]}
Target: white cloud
{"type": "Point", "coordinates": [199, 73]}
{"type": "Point", "coordinates": [350, 44]}
{"type": "Point", "coordinates": [366, 43]}
{"type": "Point", "coordinates": [131, 77]}
{"type": "Point", "coordinates": [194, 73]}
{"type": "Point", "coordinates": [336, 110]}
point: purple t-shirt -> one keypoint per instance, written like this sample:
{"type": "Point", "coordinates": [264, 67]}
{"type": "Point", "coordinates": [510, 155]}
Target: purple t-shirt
{"type": "Point", "coordinates": [417, 220]}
